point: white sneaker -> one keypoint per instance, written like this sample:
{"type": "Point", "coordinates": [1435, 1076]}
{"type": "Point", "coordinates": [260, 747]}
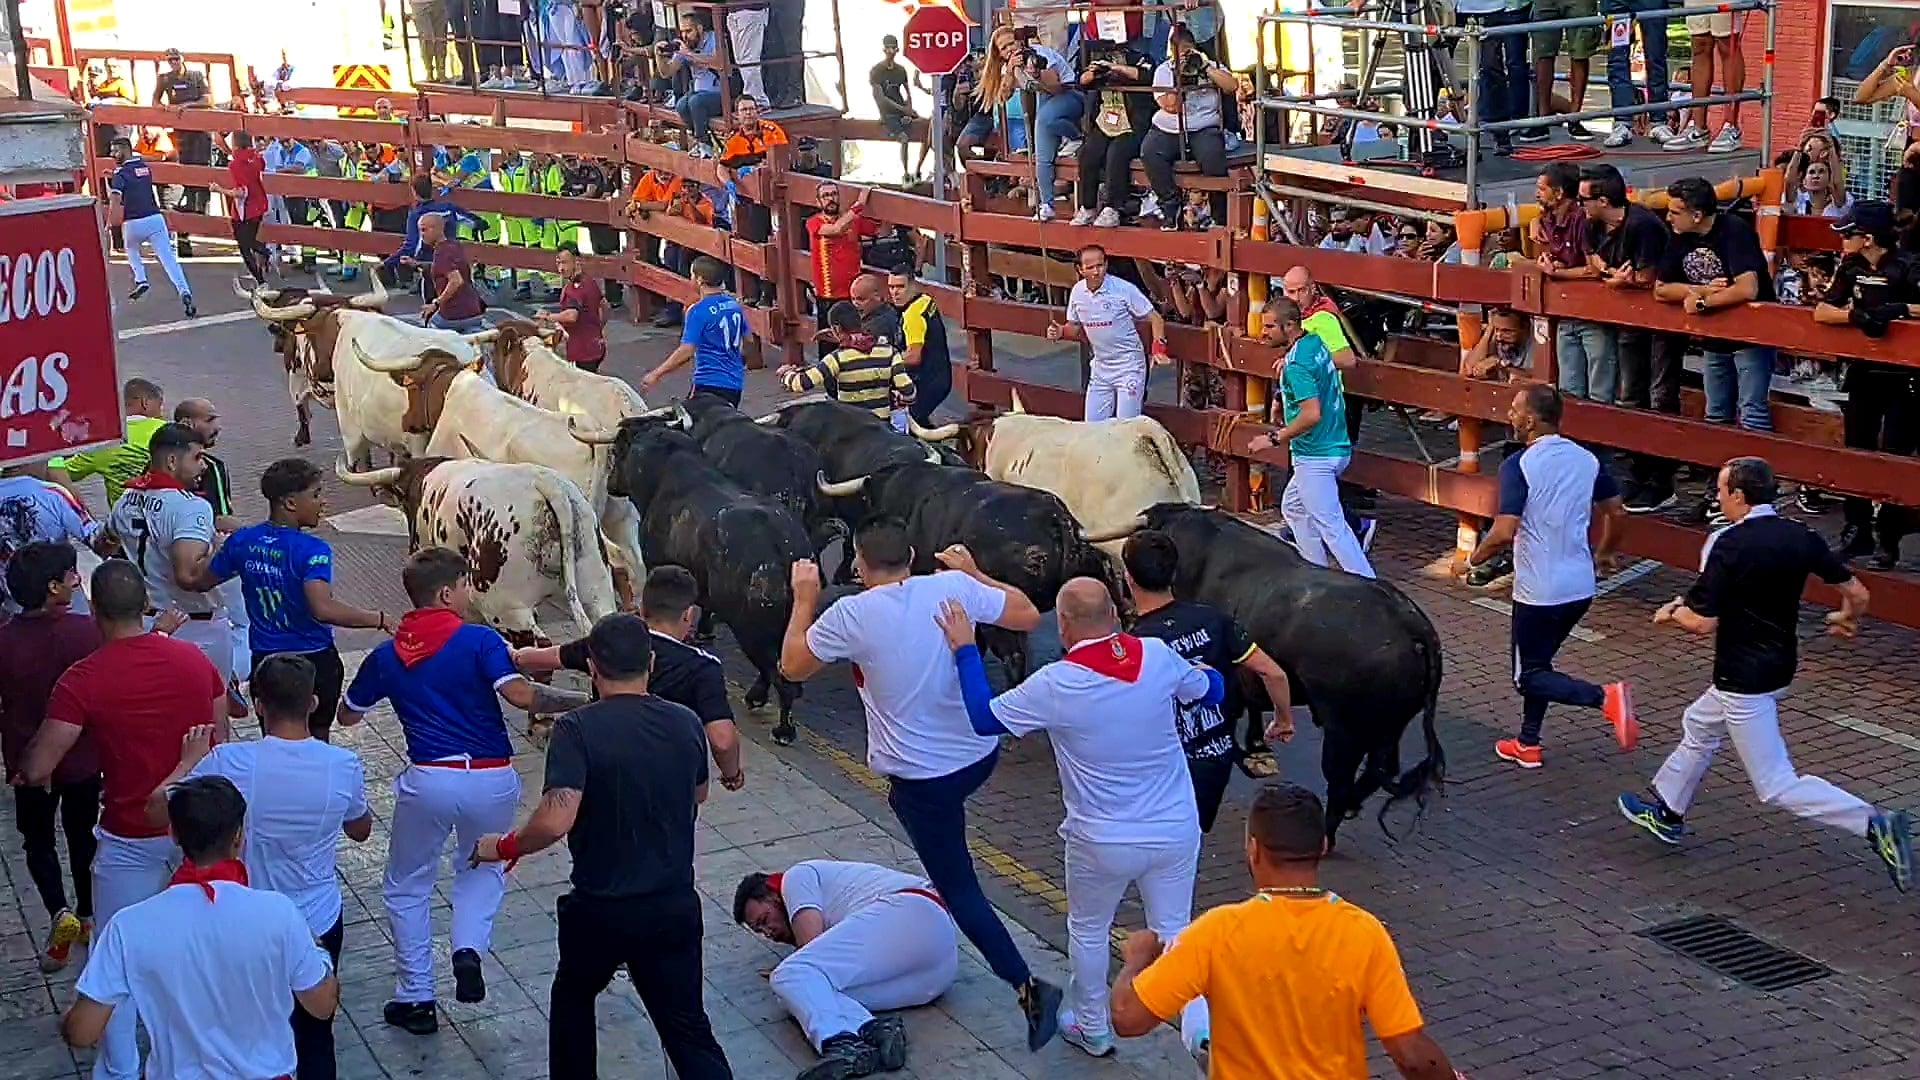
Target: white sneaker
{"type": "Point", "coordinates": [1095, 1045]}
{"type": "Point", "coordinates": [1044, 212]}
{"type": "Point", "coordinates": [1068, 149]}
{"type": "Point", "coordinates": [1727, 141]}
{"type": "Point", "coordinates": [1691, 139]}
{"type": "Point", "coordinates": [1082, 216]}
{"type": "Point", "coordinates": [1621, 135]}
{"type": "Point", "coordinates": [1109, 218]}
{"type": "Point", "coordinates": [1149, 205]}
{"type": "Point", "coordinates": [1661, 132]}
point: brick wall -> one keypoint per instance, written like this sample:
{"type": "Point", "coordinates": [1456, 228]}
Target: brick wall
{"type": "Point", "coordinates": [1800, 40]}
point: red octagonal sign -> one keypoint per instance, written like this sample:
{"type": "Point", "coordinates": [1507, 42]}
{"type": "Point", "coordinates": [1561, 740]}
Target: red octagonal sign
{"type": "Point", "coordinates": [936, 39]}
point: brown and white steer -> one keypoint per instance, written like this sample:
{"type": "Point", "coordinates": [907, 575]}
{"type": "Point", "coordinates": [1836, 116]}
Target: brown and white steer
{"type": "Point", "coordinates": [527, 532]}
{"type": "Point", "coordinates": [299, 319]}
{"type": "Point", "coordinates": [526, 366]}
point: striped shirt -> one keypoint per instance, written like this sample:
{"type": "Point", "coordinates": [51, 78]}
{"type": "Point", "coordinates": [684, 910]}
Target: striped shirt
{"type": "Point", "coordinates": [869, 379]}
{"type": "Point", "coordinates": [115, 464]}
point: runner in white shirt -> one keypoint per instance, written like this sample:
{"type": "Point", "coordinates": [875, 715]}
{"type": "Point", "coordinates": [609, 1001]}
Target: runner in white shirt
{"type": "Point", "coordinates": [1109, 707]}
{"type": "Point", "coordinates": [1105, 312]}
{"type": "Point", "coordinates": [868, 938]}
{"type": "Point", "coordinates": [209, 964]}
{"type": "Point", "coordinates": [302, 795]}
{"type": "Point", "coordinates": [167, 531]}
{"type": "Point", "coordinates": [918, 736]}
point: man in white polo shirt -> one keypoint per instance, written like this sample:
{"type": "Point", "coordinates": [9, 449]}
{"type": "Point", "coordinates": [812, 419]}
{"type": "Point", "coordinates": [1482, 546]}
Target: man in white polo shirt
{"type": "Point", "coordinates": [302, 795]}
{"type": "Point", "coordinates": [1108, 706]}
{"type": "Point", "coordinates": [918, 736]}
{"type": "Point", "coordinates": [1105, 312]}
{"type": "Point", "coordinates": [167, 531]}
{"type": "Point", "coordinates": [1548, 493]}
{"type": "Point", "coordinates": [208, 964]}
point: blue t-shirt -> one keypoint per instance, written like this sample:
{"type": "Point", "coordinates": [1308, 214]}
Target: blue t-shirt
{"type": "Point", "coordinates": [1310, 374]}
{"type": "Point", "coordinates": [716, 326]}
{"type": "Point", "coordinates": [274, 564]}
{"type": "Point", "coordinates": [448, 704]}
{"type": "Point", "coordinates": [705, 78]}
{"type": "Point", "coordinates": [1552, 487]}
{"type": "Point", "coordinates": [134, 181]}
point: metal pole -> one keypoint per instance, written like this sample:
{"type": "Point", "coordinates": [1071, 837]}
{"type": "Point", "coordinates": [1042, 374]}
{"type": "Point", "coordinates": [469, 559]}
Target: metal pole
{"type": "Point", "coordinates": [22, 69]}
{"type": "Point", "coordinates": [1473, 116]}
{"type": "Point", "coordinates": [1766, 90]}
{"type": "Point", "coordinates": [937, 134]}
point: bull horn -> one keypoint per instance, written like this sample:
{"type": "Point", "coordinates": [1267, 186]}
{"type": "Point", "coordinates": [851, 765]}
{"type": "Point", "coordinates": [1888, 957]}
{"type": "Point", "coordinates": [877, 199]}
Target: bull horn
{"type": "Point", "coordinates": [590, 436]}
{"type": "Point", "coordinates": [1120, 533]}
{"type": "Point", "coordinates": [660, 413]}
{"type": "Point", "coordinates": [291, 313]}
{"type": "Point", "coordinates": [1018, 405]}
{"type": "Point", "coordinates": [372, 478]}
{"type": "Point", "coordinates": [934, 458]}
{"type": "Point", "coordinates": [841, 490]}
{"type": "Point", "coordinates": [681, 418]}
{"type": "Point", "coordinates": [769, 419]}
{"type": "Point", "coordinates": [262, 292]}
{"type": "Point", "coordinates": [396, 366]}
{"type": "Point", "coordinates": [483, 337]}
{"type": "Point", "coordinates": [372, 301]}
{"type": "Point", "coordinates": [472, 450]}
{"type": "Point", "coordinates": [927, 434]}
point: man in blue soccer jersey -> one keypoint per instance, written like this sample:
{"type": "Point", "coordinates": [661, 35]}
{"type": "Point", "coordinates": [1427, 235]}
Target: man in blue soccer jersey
{"type": "Point", "coordinates": [711, 336]}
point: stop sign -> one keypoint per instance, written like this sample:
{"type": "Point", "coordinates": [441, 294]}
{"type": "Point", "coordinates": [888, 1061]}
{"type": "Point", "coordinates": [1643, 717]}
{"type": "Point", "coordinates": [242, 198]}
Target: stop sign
{"type": "Point", "coordinates": [936, 39]}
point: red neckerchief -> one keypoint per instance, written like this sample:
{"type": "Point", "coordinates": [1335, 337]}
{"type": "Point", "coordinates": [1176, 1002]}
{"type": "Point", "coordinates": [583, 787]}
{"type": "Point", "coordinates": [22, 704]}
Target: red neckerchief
{"type": "Point", "coordinates": [773, 881]}
{"type": "Point", "coordinates": [204, 876]}
{"type": "Point", "coordinates": [423, 631]}
{"type": "Point", "coordinates": [1117, 656]}
{"type": "Point", "coordinates": [1320, 304]}
{"type": "Point", "coordinates": [155, 481]}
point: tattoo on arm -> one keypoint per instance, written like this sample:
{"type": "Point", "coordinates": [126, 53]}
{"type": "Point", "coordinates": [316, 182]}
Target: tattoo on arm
{"type": "Point", "coordinates": [560, 798]}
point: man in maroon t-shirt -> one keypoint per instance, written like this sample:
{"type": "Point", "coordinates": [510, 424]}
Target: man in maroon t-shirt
{"type": "Point", "coordinates": [41, 642]}
{"type": "Point", "coordinates": [137, 696]}
{"type": "Point", "coordinates": [456, 304]}
{"type": "Point", "coordinates": [583, 314]}
{"type": "Point", "coordinates": [247, 202]}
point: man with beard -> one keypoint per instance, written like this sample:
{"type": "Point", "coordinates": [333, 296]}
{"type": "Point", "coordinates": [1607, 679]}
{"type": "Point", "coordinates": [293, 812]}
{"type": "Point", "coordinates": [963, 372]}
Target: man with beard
{"type": "Point", "coordinates": [217, 489]}
{"type": "Point", "coordinates": [833, 238]}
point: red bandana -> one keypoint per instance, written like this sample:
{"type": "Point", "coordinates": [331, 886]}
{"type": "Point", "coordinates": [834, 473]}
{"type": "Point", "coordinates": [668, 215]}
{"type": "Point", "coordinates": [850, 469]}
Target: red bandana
{"type": "Point", "coordinates": [1116, 657]}
{"type": "Point", "coordinates": [204, 876]}
{"type": "Point", "coordinates": [1320, 304]}
{"type": "Point", "coordinates": [773, 881]}
{"type": "Point", "coordinates": [155, 481]}
{"type": "Point", "coordinates": [423, 631]}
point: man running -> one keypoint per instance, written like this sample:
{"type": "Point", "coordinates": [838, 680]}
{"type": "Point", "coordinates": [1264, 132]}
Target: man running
{"type": "Point", "coordinates": [1105, 312]}
{"type": "Point", "coordinates": [1548, 493]}
{"type": "Point", "coordinates": [168, 532]}
{"type": "Point", "coordinates": [141, 222]}
{"type": "Point", "coordinates": [1748, 598]}
{"type": "Point", "coordinates": [712, 336]}
{"type": "Point", "coordinates": [861, 371]}
{"type": "Point", "coordinates": [918, 735]}
{"type": "Point", "coordinates": [865, 938]}
{"type": "Point", "coordinates": [446, 678]}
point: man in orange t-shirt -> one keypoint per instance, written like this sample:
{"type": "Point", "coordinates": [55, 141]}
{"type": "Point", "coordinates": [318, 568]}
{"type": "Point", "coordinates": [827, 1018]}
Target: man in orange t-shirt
{"type": "Point", "coordinates": [746, 148]}
{"type": "Point", "coordinates": [834, 237]}
{"type": "Point", "coordinates": [1288, 976]}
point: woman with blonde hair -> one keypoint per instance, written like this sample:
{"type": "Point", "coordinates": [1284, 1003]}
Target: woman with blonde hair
{"type": "Point", "coordinates": [1013, 64]}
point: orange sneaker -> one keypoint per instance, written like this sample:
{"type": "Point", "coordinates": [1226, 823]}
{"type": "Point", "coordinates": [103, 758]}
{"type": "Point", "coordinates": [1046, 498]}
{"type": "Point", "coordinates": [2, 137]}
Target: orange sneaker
{"type": "Point", "coordinates": [1618, 707]}
{"type": "Point", "coordinates": [1527, 757]}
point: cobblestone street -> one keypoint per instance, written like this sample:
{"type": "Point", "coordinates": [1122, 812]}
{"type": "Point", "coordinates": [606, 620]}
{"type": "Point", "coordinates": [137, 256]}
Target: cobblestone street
{"type": "Point", "coordinates": [1517, 901]}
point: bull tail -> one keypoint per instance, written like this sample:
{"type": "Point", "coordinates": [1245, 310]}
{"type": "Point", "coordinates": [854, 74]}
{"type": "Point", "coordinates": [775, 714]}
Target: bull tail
{"type": "Point", "coordinates": [560, 498]}
{"type": "Point", "coordinates": [1429, 776]}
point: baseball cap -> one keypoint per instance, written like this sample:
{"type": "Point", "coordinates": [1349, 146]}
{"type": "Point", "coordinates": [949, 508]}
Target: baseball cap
{"type": "Point", "coordinates": [1866, 216]}
{"type": "Point", "coordinates": [173, 54]}
{"type": "Point", "coordinates": [890, 40]}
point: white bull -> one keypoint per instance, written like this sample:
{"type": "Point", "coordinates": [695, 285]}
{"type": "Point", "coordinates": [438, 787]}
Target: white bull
{"type": "Point", "coordinates": [526, 530]}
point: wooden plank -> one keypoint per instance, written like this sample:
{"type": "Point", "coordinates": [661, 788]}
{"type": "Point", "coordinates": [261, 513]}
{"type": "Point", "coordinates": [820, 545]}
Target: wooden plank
{"type": "Point", "coordinates": [1363, 179]}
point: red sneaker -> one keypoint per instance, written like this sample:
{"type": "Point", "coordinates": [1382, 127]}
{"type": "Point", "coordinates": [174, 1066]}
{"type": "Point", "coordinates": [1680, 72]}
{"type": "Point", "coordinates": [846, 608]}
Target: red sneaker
{"type": "Point", "coordinates": [1527, 757]}
{"type": "Point", "coordinates": [1618, 707]}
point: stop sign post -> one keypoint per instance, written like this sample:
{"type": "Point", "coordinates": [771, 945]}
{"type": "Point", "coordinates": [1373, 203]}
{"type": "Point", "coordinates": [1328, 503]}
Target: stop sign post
{"type": "Point", "coordinates": [936, 43]}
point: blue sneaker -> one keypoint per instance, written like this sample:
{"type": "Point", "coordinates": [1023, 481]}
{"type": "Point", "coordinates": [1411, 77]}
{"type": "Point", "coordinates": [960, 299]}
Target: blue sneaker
{"type": "Point", "coordinates": [1652, 817]}
{"type": "Point", "coordinates": [1891, 834]}
{"type": "Point", "coordinates": [1368, 526]}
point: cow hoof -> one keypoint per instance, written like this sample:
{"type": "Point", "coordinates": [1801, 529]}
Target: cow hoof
{"type": "Point", "coordinates": [784, 734]}
{"type": "Point", "coordinates": [303, 437]}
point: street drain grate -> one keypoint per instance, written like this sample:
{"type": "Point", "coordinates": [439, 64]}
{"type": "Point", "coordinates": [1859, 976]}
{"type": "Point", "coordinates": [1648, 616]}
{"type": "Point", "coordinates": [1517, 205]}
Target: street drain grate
{"type": "Point", "coordinates": [1727, 950]}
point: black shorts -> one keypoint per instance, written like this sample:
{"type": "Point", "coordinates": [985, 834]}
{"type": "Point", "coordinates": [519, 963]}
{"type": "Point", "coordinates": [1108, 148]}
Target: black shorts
{"type": "Point", "coordinates": [731, 397]}
{"type": "Point", "coordinates": [329, 677]}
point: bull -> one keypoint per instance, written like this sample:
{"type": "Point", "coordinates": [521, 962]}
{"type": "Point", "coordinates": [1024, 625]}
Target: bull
{"type": "Point", "coordinates": [527, 532]}
{"type": "Point", "coordinates": [1358, 651]}
{"type": "Point", "coordinates": [1021, 536]}
{"type": "Point", "coordinates": [525, 365]}
{"type": "Point", "coordinates": [295, 327]}
{"type": "Point", "coordinates": [740, 546]}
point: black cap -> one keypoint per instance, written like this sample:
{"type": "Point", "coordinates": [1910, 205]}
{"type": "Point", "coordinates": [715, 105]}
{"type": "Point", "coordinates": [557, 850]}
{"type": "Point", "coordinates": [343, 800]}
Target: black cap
{"type": "Point", "coordinates": [173, 54]}
{"type": "Point", "coordinates": [890, 41]}
{"type": "Point", "coordinates": [1870, 216]}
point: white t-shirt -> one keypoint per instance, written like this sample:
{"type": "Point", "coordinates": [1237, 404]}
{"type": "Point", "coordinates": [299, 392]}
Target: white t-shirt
{"type": "Point", "coordinates": [1552, 486]}
{"type": "Point", "coordinates": [1110, 320]}
{"type": "Point", "coordinates": [917, 725]}
{"type": "Point", "coordinates": [148, 522]}
{"type": "Point", "coordinates": [1117, 744]}
{"type": "Point", "coordinates": [299, 792]}
{"type": "Point", "coordinates": [1201, 103]}
{"type": "Point", "coordinates": [213, 980]}
{"type": "Point", "coordinates": [838, 889]}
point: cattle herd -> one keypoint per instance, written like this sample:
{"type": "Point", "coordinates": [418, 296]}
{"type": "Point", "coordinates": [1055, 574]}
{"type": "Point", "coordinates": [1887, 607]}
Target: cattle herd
{"type": "Point", "coordinates": [506, 452]}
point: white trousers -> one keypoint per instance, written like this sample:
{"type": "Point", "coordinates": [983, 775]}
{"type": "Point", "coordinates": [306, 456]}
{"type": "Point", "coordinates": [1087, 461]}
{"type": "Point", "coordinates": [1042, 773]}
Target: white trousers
{"type": "Point", "coordinates": [897, 952]}
{"type": "Point", "coordinates": [1311, 505]}
{"type": "Point", "coordinates": [428, 803]}
{"type": "Point", "coordinates": [1097, 877]}
{"type": "Point", "coordinates": [747, 34]}
{"type": "Point", "coordinates": [1111, 396]}
{"type": "Point", "coordinates": [125, 872]}
{"type": "Point", "coordinates": [152, 231]}
{"type": "Point", "coordinates": [240, 652]}
{"type": "Point", "coordinates": [1752, 721]}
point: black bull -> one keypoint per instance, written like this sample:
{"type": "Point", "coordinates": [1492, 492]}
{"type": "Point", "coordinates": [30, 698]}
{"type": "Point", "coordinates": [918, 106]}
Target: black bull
{"type": "Point", "coordinates": [739, 546]}
{"type": "Point", "coordinates": [1358, 652]}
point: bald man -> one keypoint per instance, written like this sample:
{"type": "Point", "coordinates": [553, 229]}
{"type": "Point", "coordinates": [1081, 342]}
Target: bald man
{"type": "Point", "coordinates": [1320, 316]}
{"type": "Point", "coordinates": [877, 317]}
{"type": "Point", "coordinates": [1108, 706]}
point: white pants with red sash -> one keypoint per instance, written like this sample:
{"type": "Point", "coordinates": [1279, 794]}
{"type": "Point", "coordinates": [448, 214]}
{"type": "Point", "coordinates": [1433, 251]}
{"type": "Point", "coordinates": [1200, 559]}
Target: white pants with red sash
{"type": "Point", "coordinates": [895, 953]}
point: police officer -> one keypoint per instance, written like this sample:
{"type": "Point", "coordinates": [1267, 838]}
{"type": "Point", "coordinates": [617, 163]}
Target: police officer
{"type": "Point", "coordinates": [1873, 286]}
{"type": "Point", "coordinates": [180, 87]}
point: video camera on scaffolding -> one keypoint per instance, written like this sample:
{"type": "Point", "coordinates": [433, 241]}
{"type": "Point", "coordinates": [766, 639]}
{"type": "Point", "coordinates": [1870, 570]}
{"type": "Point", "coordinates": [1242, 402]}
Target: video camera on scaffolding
{"type": "Point", "coordinates": [1428, 80]}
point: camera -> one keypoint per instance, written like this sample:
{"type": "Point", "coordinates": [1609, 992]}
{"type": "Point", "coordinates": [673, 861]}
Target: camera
{"type": "Point", "coordinates": [1193, 69]}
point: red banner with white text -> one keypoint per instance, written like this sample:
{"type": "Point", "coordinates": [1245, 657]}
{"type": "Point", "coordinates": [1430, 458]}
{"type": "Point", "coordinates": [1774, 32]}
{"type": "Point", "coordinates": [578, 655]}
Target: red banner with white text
{"type": "Point", "coordinates": [59, 383]}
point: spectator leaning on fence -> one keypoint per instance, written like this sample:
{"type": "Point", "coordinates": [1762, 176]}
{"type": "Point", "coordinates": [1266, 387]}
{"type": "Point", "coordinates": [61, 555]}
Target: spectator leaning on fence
{"type": "Point", "coordinates": [1586, 352]}
{"type": "Point", "coordinates": [1714, 262]}
{"type": "Point", "coordinates": [1188, 124]}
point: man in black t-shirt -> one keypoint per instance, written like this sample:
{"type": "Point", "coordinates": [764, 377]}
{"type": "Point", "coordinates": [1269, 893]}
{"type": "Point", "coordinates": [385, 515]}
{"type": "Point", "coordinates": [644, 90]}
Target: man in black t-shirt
{"type": "Point", "coordinates": [1748, 598]}
{"type": "Point", "coordinates": [181, 87]}
{"type": "Point", "coordinates": [1204, 635]}
{"type": "Point", "coordinates": [895, 101]}
{"type": "Point", "coordinates": [1714, 262]}
{"type": "Point", "coordinates": [624, 775]}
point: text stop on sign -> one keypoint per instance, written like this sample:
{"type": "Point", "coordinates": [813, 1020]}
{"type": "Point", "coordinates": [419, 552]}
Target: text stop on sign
{"type": "Point", "coordinates": [936, 39]}
{"type": "Point", "coordinates": [59, 384]}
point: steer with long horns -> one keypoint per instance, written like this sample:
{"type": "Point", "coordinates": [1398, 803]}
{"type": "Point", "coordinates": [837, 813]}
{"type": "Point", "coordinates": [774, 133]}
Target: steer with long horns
{"type": "Point", "coordinates": [304, 338]}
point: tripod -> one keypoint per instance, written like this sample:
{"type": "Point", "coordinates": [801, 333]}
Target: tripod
{"type": "Point", "coordinates": [1429, 72]}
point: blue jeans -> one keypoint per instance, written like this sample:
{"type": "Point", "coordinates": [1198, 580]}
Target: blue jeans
{"type": "Point", "coordinates": [1538, 633]}
{"type": "Point", "coordinates": [934, 813]}
{"type": "Point", "coordinates": [1737, 384]}
{"type": "Point", "coordinates": [1654, 42]}
{"type": "Point", "coordinates": [1588, 355]}
{"type": "Point", "coordinates": [1056, 119]}
{"type": "Point", "coordinates": [462, 326]}
{"type": "Point", "coordinates": [1505, 77]}
{"type": "Point", "coordinates": [697, 110]}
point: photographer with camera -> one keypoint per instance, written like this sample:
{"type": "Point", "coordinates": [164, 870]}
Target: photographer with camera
{"type": "Point", "coordinates": [695, 51]}
{"type": "Point", "coordinates": [1038, 70]}
{"type": "Point", "coordinates": [1116, 122]}
{"type": "Point", "coordinates": [1189, 121]}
